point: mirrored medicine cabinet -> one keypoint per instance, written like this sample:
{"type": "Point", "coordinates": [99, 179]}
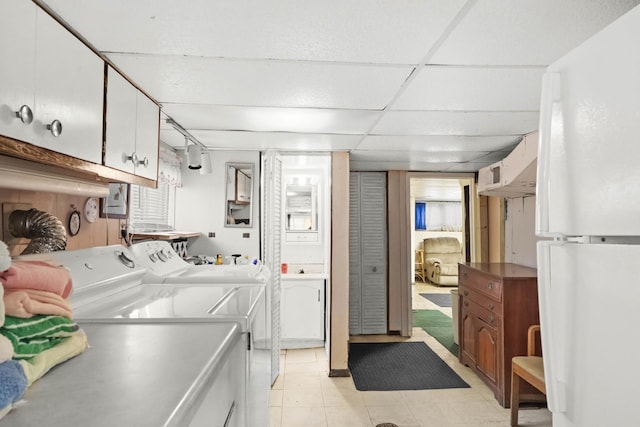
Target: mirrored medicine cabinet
{"type": "Point", "coordinates": [239, 194]}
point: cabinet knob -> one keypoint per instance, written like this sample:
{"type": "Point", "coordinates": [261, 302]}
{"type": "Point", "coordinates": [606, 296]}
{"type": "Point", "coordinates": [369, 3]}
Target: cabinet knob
{"type": "Point", "coordinates": [375, 269]}
{"type": "Point", "coordinates": [466, 293]}
{"type": "Point", "coordinates": [55, 128]}
{"type": "Point", "coordinates": [490, 319]}
{"type": "Point", "coordinates": [466, 303]}
{"type": "Point", "coordinates": [134, 158]}
{"type": "Point", "coordinates": [490, 306]}
{"type": "Point", "coordinates": [489, 285]}
{"type": "Point", "coordinates": [25, 114]}
{"type": "Point", "coordinates": [144, 162]}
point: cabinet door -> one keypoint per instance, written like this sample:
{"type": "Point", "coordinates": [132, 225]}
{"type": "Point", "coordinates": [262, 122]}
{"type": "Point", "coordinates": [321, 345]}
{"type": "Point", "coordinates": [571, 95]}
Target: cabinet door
{"type": "Point", "coordinates": [17, 67]}
{"type": "Point", "coordinates": [302, 312]}
{"type": "Point", "coordinates": [468, 338]}
{"type": "Point", "coordinates": [147, 136]}
{"type": "Point", "coordinates": [120, 122]}
{"type": "Point", "coordinates": [69, 88]}
{"type": "Point", "coordinates": [487, 351]}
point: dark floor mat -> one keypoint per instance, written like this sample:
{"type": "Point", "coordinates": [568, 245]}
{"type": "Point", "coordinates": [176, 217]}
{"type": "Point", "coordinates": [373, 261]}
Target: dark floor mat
{"type": "Point", "coordinates": [442, 300]}
{"type": "Point", "coordinates": [400, 366]}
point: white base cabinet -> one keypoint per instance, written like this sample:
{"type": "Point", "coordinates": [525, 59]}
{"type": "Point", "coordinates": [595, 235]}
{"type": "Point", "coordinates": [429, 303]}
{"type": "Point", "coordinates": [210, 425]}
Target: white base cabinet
{"type": "Point", "coordinates": [302, 313]}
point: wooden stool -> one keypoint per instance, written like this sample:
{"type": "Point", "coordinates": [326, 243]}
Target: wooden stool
{"type": "Point", "coordinates": [529, 368]}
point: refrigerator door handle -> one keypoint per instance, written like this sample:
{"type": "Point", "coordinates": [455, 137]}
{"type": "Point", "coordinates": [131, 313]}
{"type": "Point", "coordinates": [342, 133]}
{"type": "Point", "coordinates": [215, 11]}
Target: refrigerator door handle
{"type": "Point", "coordinates": [554, 353]}
{"type": "Point", "coordinates": [550, 119]}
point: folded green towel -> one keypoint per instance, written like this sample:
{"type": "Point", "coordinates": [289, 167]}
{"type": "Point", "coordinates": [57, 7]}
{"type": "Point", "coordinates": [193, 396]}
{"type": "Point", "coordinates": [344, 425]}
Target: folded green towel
{"type": "Point", "coordinates": [31, 336]}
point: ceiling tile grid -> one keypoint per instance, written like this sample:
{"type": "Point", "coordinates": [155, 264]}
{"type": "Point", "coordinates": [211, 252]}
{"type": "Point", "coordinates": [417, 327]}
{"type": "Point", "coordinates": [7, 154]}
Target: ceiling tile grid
{"type": "Point", "coordinates": [426, 85]}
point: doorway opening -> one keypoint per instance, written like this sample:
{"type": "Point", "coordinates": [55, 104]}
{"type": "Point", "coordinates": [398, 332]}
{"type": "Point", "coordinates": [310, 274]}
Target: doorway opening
{"type": "Point", "coordinates": [440, 230]}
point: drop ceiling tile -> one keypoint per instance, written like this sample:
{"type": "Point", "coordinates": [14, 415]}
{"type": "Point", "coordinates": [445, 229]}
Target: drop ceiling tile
{"type": "Point", "coordinates": [456, 123]}
{"type": "Point", "coordinates": [492, 157]}
{"type": "Point", "coordinates": [305, 120]}
{"type": "Point", "coordinates": [172, 137]}
{"type": "Point", "coordinates": [356, 165]}
{"type": "Point", "coordinates": [365, 31]}
{"type": "Point", "coordinates": [427, 157]}
{"type": "Point", "coordinates": [423, 143]}
{"type": "Point", "coordinates": [179, 79]}
{"type": "Point", "coordinates": [500, 32]}
{"type": "Point", "coordinates": [473, 89]}
{"type": "Point", "coordinates": [466, 167]}
{"type": "Point", "coordinates": [235, 140]}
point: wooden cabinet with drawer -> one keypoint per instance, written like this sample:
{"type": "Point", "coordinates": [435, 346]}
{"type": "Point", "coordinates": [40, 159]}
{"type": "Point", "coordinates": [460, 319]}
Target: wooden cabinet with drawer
{"type": "Point", "coordinates": [498, 302]}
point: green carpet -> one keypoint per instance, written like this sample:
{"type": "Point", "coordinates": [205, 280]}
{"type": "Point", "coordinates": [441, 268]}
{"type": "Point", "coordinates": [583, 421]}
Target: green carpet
{"type": "Point", "coordinates": [438, 325]}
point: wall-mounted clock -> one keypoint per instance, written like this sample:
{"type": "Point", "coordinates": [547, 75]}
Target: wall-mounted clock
{"type": "Point", "coordinates": [91, 209]}
{"type": "Point", "coordinates": [74, 223]}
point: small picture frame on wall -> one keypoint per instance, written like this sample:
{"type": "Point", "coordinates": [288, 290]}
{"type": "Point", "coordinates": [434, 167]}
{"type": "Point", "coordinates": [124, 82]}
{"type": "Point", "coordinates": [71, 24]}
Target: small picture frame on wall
{"type": "Point", "coordinates": [117, 204]}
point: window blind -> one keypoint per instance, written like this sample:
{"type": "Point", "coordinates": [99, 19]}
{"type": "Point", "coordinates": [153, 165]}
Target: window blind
{"type": "Point", "coordinates": [151, 207]}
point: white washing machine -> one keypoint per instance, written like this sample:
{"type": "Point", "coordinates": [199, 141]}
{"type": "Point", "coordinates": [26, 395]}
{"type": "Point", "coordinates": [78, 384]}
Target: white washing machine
{"type": "Point", "coordinates": [164, 265]}
{"type": "Point", "coordinates": [108, 284]}
{"type": "Point", "coordinates": [141, 373]}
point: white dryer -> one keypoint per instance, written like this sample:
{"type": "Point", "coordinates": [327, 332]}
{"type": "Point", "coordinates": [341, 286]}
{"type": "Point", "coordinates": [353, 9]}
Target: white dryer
{"type": "Point", "coordinates": [108, 285]}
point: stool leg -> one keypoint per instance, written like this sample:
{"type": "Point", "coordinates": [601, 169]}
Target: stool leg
{"type": "Point", "coordinates": [515, 397]}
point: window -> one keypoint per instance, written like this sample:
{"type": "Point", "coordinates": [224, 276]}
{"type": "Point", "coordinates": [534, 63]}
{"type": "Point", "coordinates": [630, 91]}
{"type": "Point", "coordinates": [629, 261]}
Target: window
{"type": "Point", "coordinates": [421, 218]}
{"type": "Point", "coordinates": [438, 216]}
{"type": "Point", "coordinates": [151, 207]}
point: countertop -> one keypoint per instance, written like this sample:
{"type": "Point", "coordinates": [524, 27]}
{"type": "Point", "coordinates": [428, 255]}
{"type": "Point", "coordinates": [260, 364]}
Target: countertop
{"type": "Point", "coordinates": [303, 276]}
{"type": "Point", "coordinates": [165, 235]}
{"type": "Point", "coordinates": [132, 374]}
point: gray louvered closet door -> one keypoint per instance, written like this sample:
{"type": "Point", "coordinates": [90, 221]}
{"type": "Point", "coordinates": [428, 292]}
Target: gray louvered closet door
{"type": "Point", "coordinates": [368, 253]}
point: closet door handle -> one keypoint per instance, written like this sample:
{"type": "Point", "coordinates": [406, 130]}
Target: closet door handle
{"type": "Point", "coordinates": [318, 295]}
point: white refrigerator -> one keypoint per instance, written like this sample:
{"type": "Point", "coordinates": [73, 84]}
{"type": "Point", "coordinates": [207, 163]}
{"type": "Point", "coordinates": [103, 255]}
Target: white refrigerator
{"type": "Point", "coordinates": [588, 209]}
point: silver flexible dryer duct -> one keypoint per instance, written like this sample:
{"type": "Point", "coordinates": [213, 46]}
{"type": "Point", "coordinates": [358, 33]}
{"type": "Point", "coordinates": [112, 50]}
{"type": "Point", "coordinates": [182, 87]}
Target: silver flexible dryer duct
{"type": "Point", "coordinates": [47, 233]}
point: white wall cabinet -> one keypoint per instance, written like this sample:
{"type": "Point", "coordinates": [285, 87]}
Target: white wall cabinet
{"type": "Point", "coordinates": [131, 128]}
{"type": "Point", "coordinates": [302, 313]}
{"type": "Point", "coordinates": [62, 85]}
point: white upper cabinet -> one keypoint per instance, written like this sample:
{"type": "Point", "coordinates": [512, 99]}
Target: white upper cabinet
{"type": "Point", "coordinates": [69, 93]}
{"type": "Point", "coordinates": [17, 68]}
{"type": "Point", "coordinates": [132, 128]}
{"type": "Point", "coordinates": [52, 84]}
{"type": "Point", "coordinates": [147, 136]}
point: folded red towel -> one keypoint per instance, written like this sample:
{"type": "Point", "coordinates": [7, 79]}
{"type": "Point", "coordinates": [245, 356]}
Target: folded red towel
{"type": "Point", "coordinates": [37, 275]}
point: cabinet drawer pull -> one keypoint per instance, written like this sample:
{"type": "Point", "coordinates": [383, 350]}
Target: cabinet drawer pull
{"type": "Point", "coordinates": [466, 303]}
{"type": "Point", "coordinates": [489, 285]}
{"type": "Point", "coordinates": [318, 295]}
{"type": "Point", "coordinates": [491, 306]}
{"type": "Point", "coordinates": [133, 157]}
{"type": "Point", "coordinates": [466, 293]}
{"type": "Point", "coordinates": [25, 114]}
{"type": "Point", "coordinates": [55, 128]}
{"type": "Point", "coordinates": [144, 162]}
{"type": "Point", "coordinates": [490, 319]}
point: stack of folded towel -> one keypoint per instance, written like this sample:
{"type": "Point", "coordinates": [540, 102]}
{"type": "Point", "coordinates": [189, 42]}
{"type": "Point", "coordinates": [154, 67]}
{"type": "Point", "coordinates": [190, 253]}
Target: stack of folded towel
{"type": "Point", "coordinates": [37, 330]}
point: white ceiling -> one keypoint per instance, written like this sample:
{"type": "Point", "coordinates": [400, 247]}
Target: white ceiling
{"type": "Point", "coordinates": [430, 85]}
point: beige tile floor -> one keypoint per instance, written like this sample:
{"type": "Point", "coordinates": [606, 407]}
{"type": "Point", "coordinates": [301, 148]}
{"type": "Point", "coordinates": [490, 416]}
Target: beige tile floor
{"type": "Point", "coordinates": [304, 395]}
